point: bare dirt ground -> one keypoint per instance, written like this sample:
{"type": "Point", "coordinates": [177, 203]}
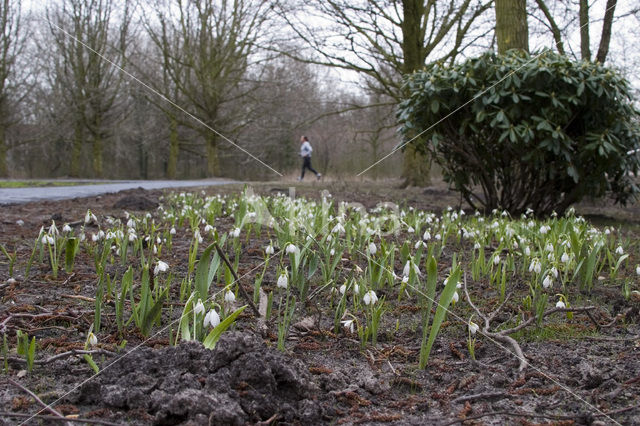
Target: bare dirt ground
{"type": "Point", "coordinates": [582, 371]}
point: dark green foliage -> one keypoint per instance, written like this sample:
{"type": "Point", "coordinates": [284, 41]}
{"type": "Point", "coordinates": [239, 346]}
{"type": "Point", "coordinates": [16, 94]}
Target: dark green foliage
{"type": "Point", "coordinates": [531, 132]}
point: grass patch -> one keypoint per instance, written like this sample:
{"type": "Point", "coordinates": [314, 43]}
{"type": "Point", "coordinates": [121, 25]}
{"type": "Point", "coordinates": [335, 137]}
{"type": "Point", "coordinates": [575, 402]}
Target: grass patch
{"type": "Point", "coordinates": [550, 332]}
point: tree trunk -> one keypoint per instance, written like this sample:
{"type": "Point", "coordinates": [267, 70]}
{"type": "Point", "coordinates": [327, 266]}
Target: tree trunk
{"type": "Point", "coordinates": [4, 172]}
{"type": "Point", "coordinates": [585, 50]}
{"type": "Point", "coordinates": [174, 148]}
{"type": "Point", "coordinates": [603, 50]}
{"type": "Point", "coordinates": [97, 157]}
{"type": "Point", "coordinates": [416, 167]}
{"type": "Point", "coordinates": [512, 30]}
{"type": "Point", "coordinates": [557, 36]}
{"type": "Point", "coordinates": [213, 164]}
{"type": "Point", "coordinates": [76, 150]}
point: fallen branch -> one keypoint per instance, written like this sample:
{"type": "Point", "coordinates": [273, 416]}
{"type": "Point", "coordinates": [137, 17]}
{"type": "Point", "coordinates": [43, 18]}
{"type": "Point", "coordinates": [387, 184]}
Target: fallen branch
{"type": "Point", "coordinates": [61, 355]}
{"type": "Point", "coordinates": [5, 414]}
{"type": "Point", "coordinates": [503, 335]}
{"type": "Point", "coordinates": [38, 400]}
{"type": "Point", "coordinates": [482, 396]}
{"type": "Point", "coordinates": [235, 276]}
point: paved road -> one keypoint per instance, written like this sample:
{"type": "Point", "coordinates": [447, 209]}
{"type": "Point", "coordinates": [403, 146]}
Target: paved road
{"type": "Point", "coordinates": [25, 195]}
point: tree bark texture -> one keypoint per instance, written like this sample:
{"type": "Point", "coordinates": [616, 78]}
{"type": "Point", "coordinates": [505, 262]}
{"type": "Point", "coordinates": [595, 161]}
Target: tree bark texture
{"type": "Point", "coordinates": [512, 29]}
{"type": "Point", "coordinates": [585, 50]}
{"type": "Point", "coordinates": [605, 39]}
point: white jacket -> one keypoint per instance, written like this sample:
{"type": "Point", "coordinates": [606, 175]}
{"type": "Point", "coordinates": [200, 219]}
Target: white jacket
{"type": "Point", "coordinates": [305, 149]}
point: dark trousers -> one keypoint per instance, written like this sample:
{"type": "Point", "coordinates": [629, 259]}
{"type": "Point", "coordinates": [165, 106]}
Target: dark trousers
{"type": "Point", "coordinates": [306, 164]}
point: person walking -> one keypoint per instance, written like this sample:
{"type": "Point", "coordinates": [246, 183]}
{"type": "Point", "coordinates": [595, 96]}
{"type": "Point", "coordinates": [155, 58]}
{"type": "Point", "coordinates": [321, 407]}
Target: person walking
{"type": "Point", "coordinates": [305, 153]}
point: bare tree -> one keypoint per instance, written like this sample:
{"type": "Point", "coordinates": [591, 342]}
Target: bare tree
{"type": "Point", "coordinates": [89, 46]}
{"type": "Point", "coordinates": [12, 88]}
{"type": "Point", "coordinates": [207, 47]}
{"type": "Point", "coordinates": [385, 39]}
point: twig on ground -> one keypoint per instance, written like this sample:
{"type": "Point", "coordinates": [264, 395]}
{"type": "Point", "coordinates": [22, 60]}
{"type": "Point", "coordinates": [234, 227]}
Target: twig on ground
{"type": "Point", "coordinates": [483, 396]}
{"type": "Point", "coordinates": [235, 276]}
{"type": "Point", "coordinates": [54, 418]}
{"type": "Point", "coordinates": [503, 335]}
{"type": "Point", "coordinates": [38, 400]}
{"type": "Point", "coordinates": [61, 355]}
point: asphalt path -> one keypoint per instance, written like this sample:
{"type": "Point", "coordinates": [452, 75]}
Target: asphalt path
{"type": "Point", "coordinates": [25, 195]}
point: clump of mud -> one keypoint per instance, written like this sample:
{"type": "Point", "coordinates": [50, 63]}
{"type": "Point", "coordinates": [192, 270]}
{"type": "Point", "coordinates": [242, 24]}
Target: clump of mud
{"type": "Point", "coordinates": [240, 381]}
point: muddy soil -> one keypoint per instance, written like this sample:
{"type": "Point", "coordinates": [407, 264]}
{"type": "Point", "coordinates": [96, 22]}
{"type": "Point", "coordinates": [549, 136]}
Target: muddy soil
{"type": "Point", "coordinates": [578, 375]}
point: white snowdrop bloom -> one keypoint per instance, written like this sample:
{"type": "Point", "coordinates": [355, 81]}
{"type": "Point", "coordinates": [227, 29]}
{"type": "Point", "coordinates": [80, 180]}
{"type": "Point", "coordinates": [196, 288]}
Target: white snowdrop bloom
{"type": "Point", "coordinates": [548, 282]}
{"type": "Point", "coordinates": [208, 228]}
{"type": "Point", "coordinates": [535, 266]}
{"type": "Point", "coordinates": [638, 270]}
{"type": "Point", "coordinates": [455, 297]}
{"type": "Point", "coordinates": [160, 267]}
{"type": "Point", "coordinates": [619, 250]}
{"type": "Point", "coordinates": [438, 237]}
{"type": "Point", "coordinates": [554, 272]}
{"type": "Point", "coordinates": [411, 230]}
{"type": "Point", "coordinates": [560, 304]}
{"type": "Point", "coordinates": [332, 252]}
{"type": "Point", "coordinates": [473, 328]}
{"type": "Point", "coordinates": [66, 228]}
{"type": "Point", "coordinates": [348, 324]}
{"type": "Point", "coordinates": [48, 239]}
{"type": "Point", "coordinates": [89, 217]}
{"type": "Point", "coordinates": [283, 281]}
{"type": "Point", "coordinates": [476, 246]}
{"type": "Point", "coordinates": [92, 339]}
{"type": "Point", "coordinates": [496, 259]}
{"type": "Point", "coordinates": [211, 319]}
{"type": "Point", "coordinates": [131, 223]}
{"type": "Point", "coordinates": [564, 258]}
{"type": "Point", "coordinates": [548, 247]}
{"type": "Point", "coordinates": [83, 237]}
{"type": "Point", "coordinates": [290, 249]}
{"type": "Point", "coordinates": [20, 222]}
{"type": "Point", "coordinates": [172, 231]}
{"type": "Point", "coordinates": [426, 236]}
{"type": "Point", "coordinates": [229, 297]}
{"type": "Point", "coordinates": [372, 248]}
{"type": "Point", "coordinates": [607, 231]}
{"type": "Point", "coordinates": [495, 224]}
{"type": "Point", "coordinates": [544, 229]}
{"type": "Point", "coordinates": [158, 240]}
{"type": "Point", "coordinates": [197, 236]}
{"type": "Point", "coordinates": [343, 288]}
{"type": "Point", "coordinates": [370, 298]}
{"type": "Point", "coordinates": [329, 238]}
{"type": "Point", "coordinates": [407, 269]}
{"type": "Point", "coordinates": [356, 289]}
{"type": "Point", "coordinates": [95, 237]}
{"type": "Point", "coordinates": [155, 249]}
{"type": "Point", "coordinates": [405, 279]}
{"type": "Point", "coordinates": [199, 308]}
{"type": "Point", "coordinates": [338, 229]}
{"type": "Point", "coordinates": [551, 257]}
{"type": "Point", "coordinates": [269, 250]}
{"type": "Point", "coordinates": [11, 281]}
{"type": "Point", "coordinates": [235, 233]}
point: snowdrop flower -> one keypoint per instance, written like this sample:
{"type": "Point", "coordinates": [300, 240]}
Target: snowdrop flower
{"type": "Point", "coordinates": [405, 279]}
{"type": "Point", "coordinates": [411, 230]}
{"type": "Point", "coordinates": [564, 258]}
{"type": "Point", "coordinates": [370, 298]}
{"type": "Point", "coordinates": [560, 304]}
{"type": "Point", "coordinates": [332, 252]}
{"type": "Point", "coordinates": [89, 217]}
{"type": "Point", "coordinates": [208, 228]}
{"type": "Point", "coordinates": [172, 231]}
{"type": "Point", "coordinates": [372, 248]}
{"type": "Point", "coordinates": [20, 222]}
{"type": "Point", "coordinates": [211, 319]}
{"type": "Point", "coordinates": [338, 229]}
{"type": "Point", "coordinates": [607, 231]}
{"type": "Point", "coordinates": [473, 328]}
{"type": "Point", "coordinates": [92, 339]}
{"type": "Point", "coordinates": [476, 246]}
{"type": "Point", "coordinates": [547, 282]}
{"type": "Point", "coordinates": [426, 236]}
{"type": "Point", "coordinates": [235, 233]}
{"type": "Point", "coordinates": [67, 229]}
{"type": "Point", "coordinates": [638, 270]}
{"type": "Point", "coordinates": [48, 239]}
{"type": "Point", "coordinates": [544, 229]}
{"type": "Point", "coordinates": [229, 297]}
{"type": "Point", "coordinates": [496, 259]}
{"type": "Point", "coordinates": [290, 249]}
{"type": "Point", "coordinates": [132, 237]}
{"type": "Point", "coordinates": [198, 236]}
{"type": "Point", "coordinates": [199, 308]}
{"type": "Point", "coordinates": [554, 272]}
{"type": "Point", "coordinates": [348, 324]}
{"type": "Point", "coordinates": [535, 266]}
{"type": "Point", "coordinates": [160, 267]}
{"type": "Point", "coordinates": [619, 250]}
{"type": "Point", "coordinates": [131, 224]}
{"type": "Point", "coordinates": [407, 269]}
{"type": "Point", "coordinates": [548, 247]}
{"type": "Point", "coordinates": [269, 250]}
{"type": "Point", "coordinates": [283, 281]}
{"type": "Point", "coordinates": [343, 288]}
{"type": "Point", "coordinates": [438, 237]}
{"type": "Point", "coordinates": [329, 238]}
{"type": "Point", "coordinates": [455, 297]}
